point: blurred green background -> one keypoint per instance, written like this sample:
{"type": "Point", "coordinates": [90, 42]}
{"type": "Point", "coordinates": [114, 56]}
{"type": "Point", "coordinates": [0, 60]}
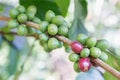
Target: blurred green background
{"type": "Point", "coordinates": [24, 59]}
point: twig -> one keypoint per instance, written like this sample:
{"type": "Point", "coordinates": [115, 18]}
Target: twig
{"type": "Point", "coordinates": [66, 40]}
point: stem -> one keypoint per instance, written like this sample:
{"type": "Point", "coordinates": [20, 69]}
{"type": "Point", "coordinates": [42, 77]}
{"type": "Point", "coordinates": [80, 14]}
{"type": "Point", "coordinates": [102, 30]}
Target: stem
{"type": "Point", "coordinates": [66, 40]}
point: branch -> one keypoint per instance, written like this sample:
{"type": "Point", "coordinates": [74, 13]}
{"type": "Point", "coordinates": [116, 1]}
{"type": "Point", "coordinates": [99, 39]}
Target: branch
{"type": "Point", "coordinates": [66, 40]}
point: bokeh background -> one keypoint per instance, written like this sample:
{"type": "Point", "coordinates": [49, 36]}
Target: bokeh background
{"type": "Point", "coordinates": [102, 21]}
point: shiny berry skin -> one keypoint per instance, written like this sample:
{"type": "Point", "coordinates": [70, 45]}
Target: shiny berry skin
{"type": "Point", "coordinates": [49, 15]}
{"type": "Point", "coordinates": [84, 64]}
{"type": "Point", "coordinates": [63, 30]}
{"type": "Point", "coordinates": [30, 16]}
{"type": "Point", "coordinates": [76, 47]}
{"type": "Point", "coordinates": [103, 56]}
{"type": "Point", "coordinates": [31, 30]}
{"type": "Point", "coordinates": [43, 37]}
{"type": "Point", "coordinates": [14, 13]}
{"type": "Point", "coordinates": [95, 52]}
{"type": "Point", "coordinates": [53, 43]}
{"type": "Point", "coordinates": [46, 48]}
{"type": "Point", "coordinates": [21, 9]}
{"type": "Point", "coordinates": [22, 30]}
{"type": "Point", "coordinates": [32, 9]}
{"type": "Point", "coordinates": [85, 52]}
{"type": "Point", "coordinates": [73, 57]}
{"type": "Point", "coordinates": [52, 29]}
{"type": "Point", "coordinates": [43, 26]}
{"type": "Point", "coordinates": [12, 24]}
{"type": "Point", "coordinates": [36, 20]}
{"type": "Point", "coordinates": [22, 18]}
{"type": "Point", "coordinates": [58, 20]}
{"type": "Point", "coordinates": [102, 44]}
{"type": "Point", "coordinates": [91, 42]}
{"type": "Point", "coordinates": [76, 67]}
{"type": "Point", "coordinates": [82, 38]}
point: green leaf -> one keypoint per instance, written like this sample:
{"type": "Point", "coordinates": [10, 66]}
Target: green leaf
{"type": "Point", "coordinates": [79, 16]}
{"type": "Point", "coordinates": [13, 60]}
{"type": "Point", "coordinates": [76, 28]}
{"type": "Point", "coordinates": [63, 5]}
{"type": "Point", "coordinates": [44, 5]}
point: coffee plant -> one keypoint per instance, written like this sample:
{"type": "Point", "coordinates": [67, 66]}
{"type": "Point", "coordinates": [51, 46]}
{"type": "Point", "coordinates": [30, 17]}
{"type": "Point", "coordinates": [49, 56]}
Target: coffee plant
{"type": "Point", "coordinates": [54, 32]}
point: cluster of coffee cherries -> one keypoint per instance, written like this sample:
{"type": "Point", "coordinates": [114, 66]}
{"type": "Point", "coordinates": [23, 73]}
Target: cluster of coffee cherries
{"type": "Point", "coordinates": [86, 47]}
{"type": "Point", "coordinates": [19, 16]}
{"type": "Point", "coordinates": [52, 25]}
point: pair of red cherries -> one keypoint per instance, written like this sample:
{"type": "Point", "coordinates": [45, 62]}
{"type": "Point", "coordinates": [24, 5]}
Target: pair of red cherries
{"type": "Point", "coordinates": [84, 63]}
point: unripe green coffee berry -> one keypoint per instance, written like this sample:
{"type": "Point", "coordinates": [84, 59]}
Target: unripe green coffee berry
{"type": "Point", "coordinates": [102, 44]}
{"type": "Point", "coordinates": [32, 9]}
{"type": "Point", "coordinates": [91, 42]}
{"type": "Point", "coordinates": [60, 44]}
{"type": "Point", "coordinates": [63, 30]}
{"type": "Point", "coordinates": [43, 37]}
{"type": "Point", "coordinates": [58, 20]}
{"type": "Point", "coordinates": [82, 38]}
{"type": "Point", "coordinates": [5, 29]}
{"type": "Point", "coordinates": [22, 30]}
{"type": "Point", "coordinates": [52, 29]}
{"type": "Point", "coordinates": [36, 20]}
{"type": "Point", "coordinates": [53, 43]}
{"type": "Point", "coordinates": [13, 24]}
{"type": "Point", "coordinates": [95, 52]}
{"type": "Point", "coordinates": [67, 48]}
{"type": "Point", "coordinates": [30, 16]}
{"type": "Point", "coordinates": [14, 13]}
{"type": "Point", "coordinates": [49, 15]}
{"type": "Point", "coordinates": [9, 37]}
{"type": "Point", "coordinates": [21, 9]}
{"type": "Point", "coordinates": [76, 67]}
{"type": "Point", "coordinates": [22, 18]}
{"type": "Point", "coordinates": [85, 52]}
{"type": "Point", "coordinates": [73, 57]}
{"type": "Point", "coordinates": [31, 30]}
{"type": "Point", "coordinates": [103, 56]}
{"type": "Point", "coordinates": [43, 26]}
{"type": "Point", "coordinates": [46, 48]}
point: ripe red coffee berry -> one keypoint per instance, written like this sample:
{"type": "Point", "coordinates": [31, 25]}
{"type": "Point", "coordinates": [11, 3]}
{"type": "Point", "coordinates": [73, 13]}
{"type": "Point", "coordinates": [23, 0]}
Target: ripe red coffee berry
{"type": "Point", "coordinates": [84, 64]}
{"type": "Point", "coordinates": [76, 47]}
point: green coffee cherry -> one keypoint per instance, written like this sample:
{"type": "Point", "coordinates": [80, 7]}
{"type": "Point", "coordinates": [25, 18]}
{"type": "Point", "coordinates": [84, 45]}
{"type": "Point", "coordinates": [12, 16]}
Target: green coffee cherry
{"type": "Point", "coordinates": [5, 29]}
{"type": "Point", "coordinates": [22, 30]}
{"type": "Point", "coordinates": [82, 38]}
{"type": "Point", "coordinates": [63, 30]}
{"type": "Point", "coordinates": [31, 30]}
{"type": "Point", "coordinates": [30, 16]}
{"type": "Point", "coordinates": [36, 20]}
{"type": "Point", "coordinates": [32, 9]}
{"type": "Point", "coordinates": [95, 52]}
{"type": "Point", "coordinates": [52, 29]}
{"type": "Point", "coordinates": [43, 37]}
{"type": "Point", "coordinates": [14, 13]}
{"type": "Point", "coordinates": [73, 57]}
{"type": "Point", "coordinates": [46, 48]}
{"type": "Point", "coordinates": [67, 48]}
{"type": "Point", "coordinates": [49, 15]}
{"type": "Point", "coordinates": [85, 52]}
{"type": "Point", "coordinates": [22, 18]}
{"type": "Point", "coordinates": [76, 67]}
{"type": "Point", "coordinates": [21, 9]}
{"type": "Point", "coordinates": [53, 43]}
{"type": "Point", "coordinates": [13, 24]}
{"type": "Point", "coordinates": [103, 56]}
{"type": "Point", "coordinates": [9, 37]}
{"type": "Point", "coordinates": [91, 42]}
{"type": "Point", "coordinates": [43, 26]}
{"type": "Point", "coordinates": [58, 20]}
{"type": "Point", "coordinates": [60, 44]}
{"type": "Point", "coordinates": [102, 44]}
